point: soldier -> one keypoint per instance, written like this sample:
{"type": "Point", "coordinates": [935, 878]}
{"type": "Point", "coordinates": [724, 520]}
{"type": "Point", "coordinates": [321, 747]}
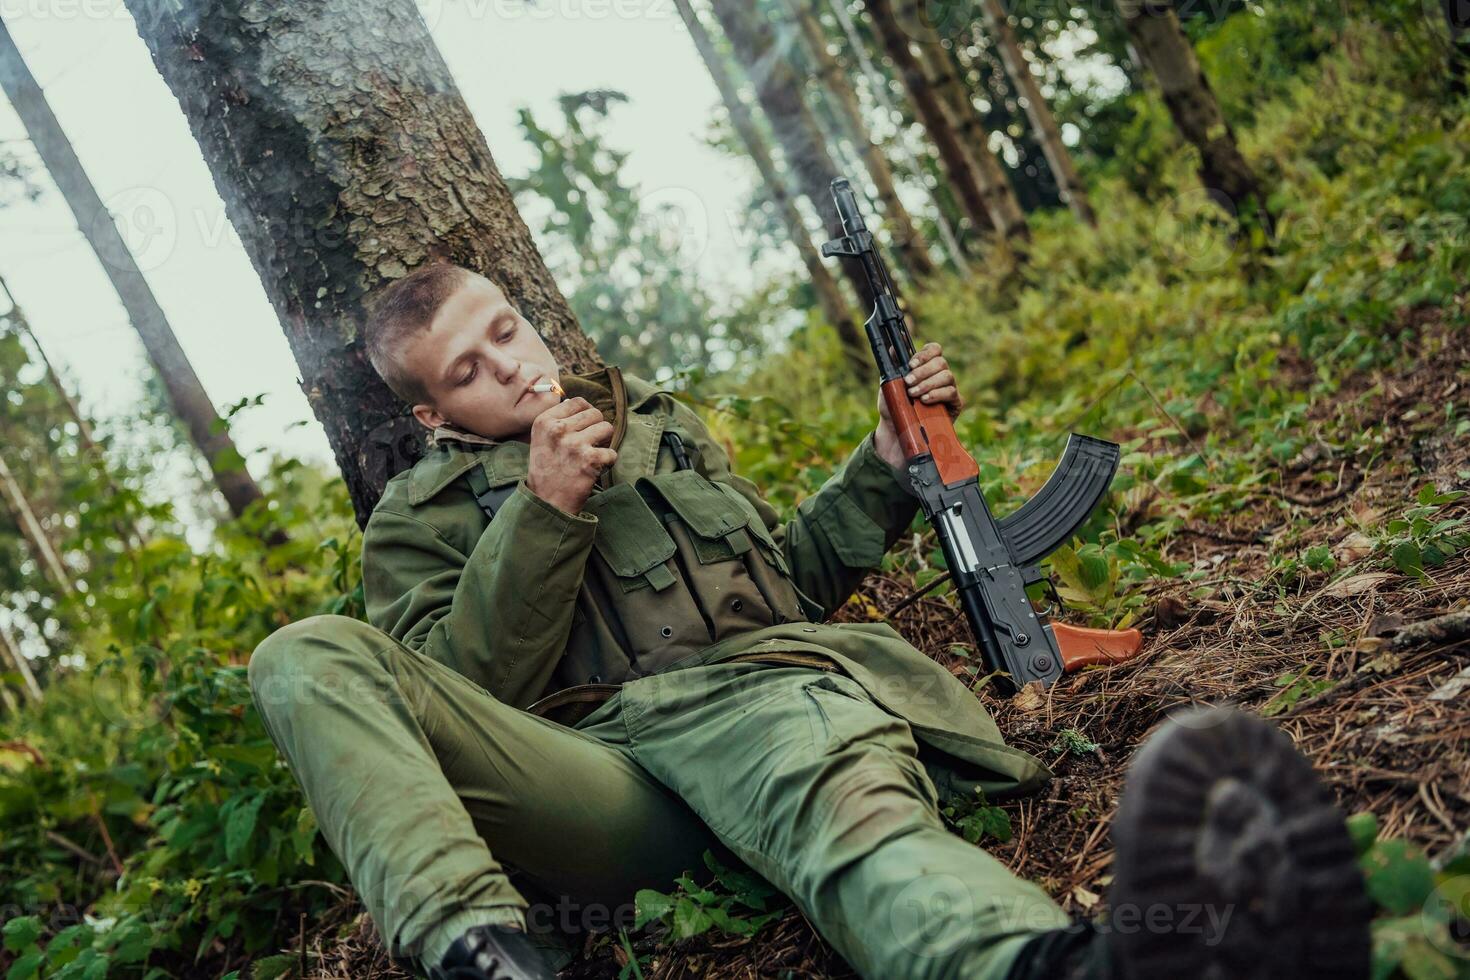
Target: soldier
{"type": "Point", "coordinates": [596, 653]}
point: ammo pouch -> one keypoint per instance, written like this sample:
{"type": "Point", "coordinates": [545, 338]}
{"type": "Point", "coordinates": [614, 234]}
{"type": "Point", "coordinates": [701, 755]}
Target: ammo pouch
{"type": "Point", "coordinates": [679, 562]}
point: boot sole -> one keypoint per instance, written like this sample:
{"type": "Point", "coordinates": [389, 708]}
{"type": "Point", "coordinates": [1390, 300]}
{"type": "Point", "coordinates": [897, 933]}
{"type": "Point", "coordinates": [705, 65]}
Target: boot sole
{"type": "Point", "coordinates": [1233, 860]}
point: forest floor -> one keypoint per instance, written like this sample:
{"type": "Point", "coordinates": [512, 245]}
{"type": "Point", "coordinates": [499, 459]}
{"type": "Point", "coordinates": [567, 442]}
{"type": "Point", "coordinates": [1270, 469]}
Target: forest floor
{"type": "Point", "coordinates": [1382, 713]}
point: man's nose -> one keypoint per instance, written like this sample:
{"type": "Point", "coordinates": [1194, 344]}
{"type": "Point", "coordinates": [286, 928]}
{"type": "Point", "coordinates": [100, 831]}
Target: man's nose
{"type": "Point", "coordinates": [506, 368]}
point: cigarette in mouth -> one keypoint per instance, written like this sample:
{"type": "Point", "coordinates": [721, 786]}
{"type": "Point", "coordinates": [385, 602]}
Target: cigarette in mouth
{"type": "Point", "coordinates": [546, 386]}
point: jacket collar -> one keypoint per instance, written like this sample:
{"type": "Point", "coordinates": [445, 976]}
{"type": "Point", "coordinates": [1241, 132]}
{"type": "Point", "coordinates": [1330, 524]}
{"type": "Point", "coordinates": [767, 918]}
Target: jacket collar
{"type": "Point", "coordinates": [453, 451]}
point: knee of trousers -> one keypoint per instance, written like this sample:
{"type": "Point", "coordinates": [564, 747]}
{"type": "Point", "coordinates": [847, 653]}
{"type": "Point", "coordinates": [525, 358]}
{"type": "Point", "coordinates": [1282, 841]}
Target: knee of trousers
{"type": "Point", "coordinates": [295, 659]}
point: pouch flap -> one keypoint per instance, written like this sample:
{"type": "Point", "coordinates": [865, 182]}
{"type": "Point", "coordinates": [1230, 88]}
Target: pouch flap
{"type": "Point", "coordinates": [702, 505]}
{"type": "Point", "coordinates": [630, 537]}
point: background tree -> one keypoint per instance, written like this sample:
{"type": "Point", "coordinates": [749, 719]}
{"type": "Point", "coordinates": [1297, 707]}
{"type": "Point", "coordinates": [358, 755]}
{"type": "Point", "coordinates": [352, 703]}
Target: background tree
{"type": "Point", "coordinates": [186, 394]}
{"type": "Point", "coordinates": [773, 183]}
{"type": "Point", "coordinates": [778, 88]}
{"type": "Point", "coordinates": [1038, 112]}
{"type": "Point", "coordinates": [957, 101]}
{"type": "Point", "coordinates": [857, 51]}
{"type": "Point", "coordinates": [937, 118]}
{"type": "Point", "coordinates": [1160, 41]}
{"type": "Point", "coordinates": [625, 266]}
{"type": "Point", "coordinates": [833, 78]}
{"type": "Point", "coordinates": [346, 157]}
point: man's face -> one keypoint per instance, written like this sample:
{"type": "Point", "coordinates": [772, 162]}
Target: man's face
{"type": "Point", "coordinates": [477, 360]}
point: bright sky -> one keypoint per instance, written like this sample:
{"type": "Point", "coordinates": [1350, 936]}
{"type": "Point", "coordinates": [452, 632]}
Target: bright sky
{"type": "Point", "coordinates": [134, 143]}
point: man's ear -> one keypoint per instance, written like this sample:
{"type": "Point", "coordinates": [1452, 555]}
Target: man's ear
{"type": "Point", "coordinates": [428, 416]}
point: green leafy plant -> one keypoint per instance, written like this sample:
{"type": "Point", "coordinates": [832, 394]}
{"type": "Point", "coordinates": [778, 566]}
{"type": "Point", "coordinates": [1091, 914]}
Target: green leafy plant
{"type": "Point", "coordinates": [1070, 740]}
{"type": "Point", "coordinates": [1419, 905]}
{"type": "Point", "coordinates": [738, 902]}
{"type": "Point", "coordinates": [1423, 538]}
{"type": "Point", "coordinates": [975, 819]}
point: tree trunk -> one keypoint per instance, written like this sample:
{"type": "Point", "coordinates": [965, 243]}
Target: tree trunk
{"type": "Point", "coordinates": [185, 393]}
{"type": "Point", "coordinates": [1457, 15]}
{"type": "Point", "coordinates": [938, 120]}
{"type": "Point", "coordinates": [832, 76]}
{"type": "Point", "coordinates": [346, 157]}
{"type": "Point", "coordinates": [1043, 123]}
{"type": "Point", "coordinates": [829, 296]}
{"type": "Point", "coordinates": [879, 84]}
{"type": "Point", "coordinates": [1001, 202]}
{"type": "Point", "coordinates": [30, 528]}
{"type": "Point", "coordinates": [22, 666]}
{"type": "Point", "coordinates": [1160, 40]}
{"type": "Point", "coordinates": [778, 88]}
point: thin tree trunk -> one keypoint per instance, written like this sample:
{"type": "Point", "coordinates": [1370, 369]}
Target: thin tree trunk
{"type": "Point", "coordinates": [1159, 39]}
{"type": "Point", "coordinates": [17, 316]}
{"type": "Point", "coordinates": [832, 76]}
{"type": "Point", "coordinates": [938, 120]}
{"type": "Point", "coordinates": [1001, 202]}
{"type": "Point", "coordinates": [1457, 15]}
{"type": "Point", "coordinates": [346, 157]}
{"type": "Point", "coordinates": [186, 394]}
{"type": "Point", "coordinates": [879, 84]}
{"type": "Point", "coordinates": [30, 528]}
{"type": "Point", "coordinates": [778, 88]}
{"type": "Point", "coordinates": [84, 424]}
{"type": "Point", "coordinates": [21, 665]}
{"type": "Point", "coordinates": [829, 296]}
{"type": "Point", "coordinates": [1043, 122]}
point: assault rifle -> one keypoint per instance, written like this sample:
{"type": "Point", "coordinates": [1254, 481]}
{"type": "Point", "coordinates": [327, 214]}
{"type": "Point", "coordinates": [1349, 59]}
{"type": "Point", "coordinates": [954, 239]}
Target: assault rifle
{"type": "Point", "coordinates": [991, 562]}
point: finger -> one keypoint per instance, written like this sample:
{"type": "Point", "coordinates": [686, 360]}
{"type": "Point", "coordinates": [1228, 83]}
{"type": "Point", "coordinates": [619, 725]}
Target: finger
{"type": "Point", "coordinates": [598, 434]}
{"type": "Point", "coordinates": [562, 410]}
{"type": "Point", "coordinates": [584, 419]}
{"type": "Point", "coordinates": [927, 370]}
{"type": "Point", "coordinates": [927, 352]}
{"type": "Point", "coordinates": [602, 458]}
{"type": "Point", "coordinates": [941, 379]}
{"type": "Point", "coordinates": [940, 395]}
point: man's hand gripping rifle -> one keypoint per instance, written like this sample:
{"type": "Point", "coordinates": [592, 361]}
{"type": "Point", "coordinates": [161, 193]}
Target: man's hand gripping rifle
{"type": "Point", "coordinates": [991, 561]}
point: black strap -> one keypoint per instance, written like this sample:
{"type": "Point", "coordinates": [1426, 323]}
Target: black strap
{"type": "Point", "coordinates": [490, 500]}
{"type": "Point", "coordinates": [676, 446]}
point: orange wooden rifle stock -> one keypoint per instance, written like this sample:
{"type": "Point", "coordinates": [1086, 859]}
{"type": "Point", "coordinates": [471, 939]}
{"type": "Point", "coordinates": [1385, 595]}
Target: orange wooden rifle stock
{"type": "Point", "coordinates": [992, 562]}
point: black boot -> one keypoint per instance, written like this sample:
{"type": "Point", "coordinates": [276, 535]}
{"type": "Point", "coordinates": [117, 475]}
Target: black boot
{"type": "Point", "coordinates": [1231, 862]}
{"type": "Point", "coordinates": [492, 953]}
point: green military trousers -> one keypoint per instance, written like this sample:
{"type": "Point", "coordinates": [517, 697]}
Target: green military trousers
{"type": "Point", "coordinates": [423, 784]}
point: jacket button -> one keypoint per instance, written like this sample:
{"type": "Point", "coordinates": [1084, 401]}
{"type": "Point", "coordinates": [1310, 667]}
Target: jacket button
{"type": "Point", "coordinates": [737, 604]}
{"type": "Point", "coordinates": [808, 629]}
{"type": "Point", "coordinates": [667, 631]}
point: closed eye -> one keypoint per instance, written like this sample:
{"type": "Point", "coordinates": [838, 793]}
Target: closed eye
{"type": "Point", "coordinates": [468, 376]}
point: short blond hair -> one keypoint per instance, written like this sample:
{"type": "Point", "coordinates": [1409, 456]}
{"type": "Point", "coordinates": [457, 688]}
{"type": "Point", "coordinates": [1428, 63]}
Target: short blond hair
{"type": "Point", "coordinates": [401, 310]}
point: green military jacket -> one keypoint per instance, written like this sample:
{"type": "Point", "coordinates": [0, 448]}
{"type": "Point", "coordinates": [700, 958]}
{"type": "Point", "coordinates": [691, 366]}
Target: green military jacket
{"type": "Point", "coordinates": [666, 568]}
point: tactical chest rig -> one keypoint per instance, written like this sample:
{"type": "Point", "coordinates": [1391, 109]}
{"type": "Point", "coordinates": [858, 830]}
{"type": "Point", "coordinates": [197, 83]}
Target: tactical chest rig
{"type": "Point", "coordinates": [679, 562]}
